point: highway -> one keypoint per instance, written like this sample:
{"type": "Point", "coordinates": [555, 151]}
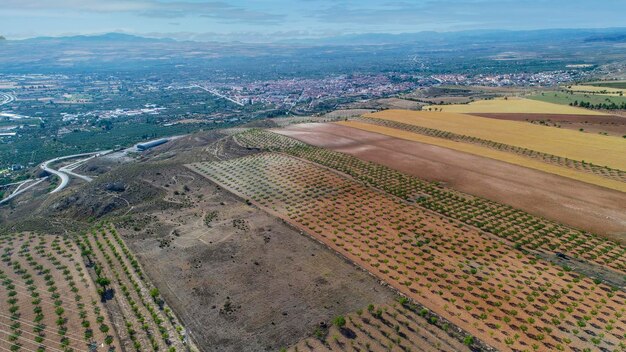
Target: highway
{"type": "Point", "coordinates": [69, 169]}
{"type": "Point", "coordinates": [64, 173]}
{"type": "Point", "coordinates": [21, 190]}
{"type": "Point", "coordinates": [6, 98]}
{"type": "Point", "coordinates": [216, 93]}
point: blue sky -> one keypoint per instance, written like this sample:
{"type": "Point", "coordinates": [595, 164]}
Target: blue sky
{"type": "Point", "coordinates": [266, 20]}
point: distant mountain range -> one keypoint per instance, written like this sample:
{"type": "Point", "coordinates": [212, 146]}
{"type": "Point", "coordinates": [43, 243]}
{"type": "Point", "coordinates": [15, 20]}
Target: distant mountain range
{"type": "Point", "coordinates": [346, 53]}
{"type": "Point", "coordinates": [102, 38]}
{"type": "Point", "coordinates": [473, 36]}
{"type": "Point", "coordinates": [478, 36]}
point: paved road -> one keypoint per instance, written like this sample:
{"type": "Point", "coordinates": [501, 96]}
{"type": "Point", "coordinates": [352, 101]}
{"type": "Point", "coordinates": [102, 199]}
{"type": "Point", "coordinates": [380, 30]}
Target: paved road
{"type": "Point", "coordinates": [14, 183]}
{"type": "Point", "coordinates": [216, 93]}
{"type": "Point", "coordinates": [69, 169]}
{"type": "Point", "coordinates": [63, 173]}
{"type": "Point", "coordinates": [19, 191]}
{"type": "Point", "coordinates": [6, 98]}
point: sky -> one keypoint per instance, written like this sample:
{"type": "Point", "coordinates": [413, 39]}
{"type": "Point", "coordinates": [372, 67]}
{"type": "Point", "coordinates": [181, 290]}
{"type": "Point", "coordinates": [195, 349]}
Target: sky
{"type": "Point", "coordinates": [271, 20]}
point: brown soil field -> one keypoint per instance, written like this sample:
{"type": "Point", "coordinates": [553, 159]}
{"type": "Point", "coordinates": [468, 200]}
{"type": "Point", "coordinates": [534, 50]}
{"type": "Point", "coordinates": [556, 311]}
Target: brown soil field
{"type": "Point", "coordinates": [238, 278]}
{"type": "Point", "coordinates": [511, 300]}
{"type": "Point", "coordinates": [393, 328]}
{"type": "Point", "coordinates": [564, 200]}
{"type": "Point", "coordinates": [130, 302]}
{"type": "Point", "coordinates": [613, 125]}
{"type": "Point", "coordinates": [48, 297]}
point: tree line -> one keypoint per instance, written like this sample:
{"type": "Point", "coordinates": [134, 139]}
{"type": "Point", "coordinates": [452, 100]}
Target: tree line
{"type": "Point", "coordinates": [600, 106]}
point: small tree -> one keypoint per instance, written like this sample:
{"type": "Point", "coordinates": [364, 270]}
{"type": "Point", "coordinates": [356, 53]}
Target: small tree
{"type": "Point", "coordinates": [87, 253]}
{"type": "Point", "coordinates": [340, 321]}
{"type": "Point", "coordinates": [103, 282]}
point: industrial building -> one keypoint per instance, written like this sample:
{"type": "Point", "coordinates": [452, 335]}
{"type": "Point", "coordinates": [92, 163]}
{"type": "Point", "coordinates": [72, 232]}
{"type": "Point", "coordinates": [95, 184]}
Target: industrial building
{"type": "Point", "coordinates": [151, 144]}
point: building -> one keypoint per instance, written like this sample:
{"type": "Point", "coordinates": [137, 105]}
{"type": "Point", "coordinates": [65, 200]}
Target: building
{"type": "Point", "coordinates": [151, 144]}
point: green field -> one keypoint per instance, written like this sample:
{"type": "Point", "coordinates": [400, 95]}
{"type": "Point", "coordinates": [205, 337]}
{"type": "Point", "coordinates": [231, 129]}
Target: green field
{"type": "Point", "coordinates": [616, 85]}
{"type": "Point", "coordinates": [36, 145]}
{"type": "Point", "coordinates": [559, 97]}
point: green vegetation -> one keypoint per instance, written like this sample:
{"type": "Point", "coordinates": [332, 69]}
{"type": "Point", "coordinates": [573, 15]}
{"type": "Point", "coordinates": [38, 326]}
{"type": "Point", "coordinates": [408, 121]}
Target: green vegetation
{"type": "Point", "coordinates": [20, 122]}
{"type": "Point", "coordinates": [151, 322]}
{"type": "Point", "coordinates": [615, 85]}
{"type": "Point", "coordinates": [584, 100]}
{"type": "Point", "coordinates": [340, 321]}
{"type": "Point", "coordinates": [36, 145]}
{"type": "Point", "coordinates": [209, 217]}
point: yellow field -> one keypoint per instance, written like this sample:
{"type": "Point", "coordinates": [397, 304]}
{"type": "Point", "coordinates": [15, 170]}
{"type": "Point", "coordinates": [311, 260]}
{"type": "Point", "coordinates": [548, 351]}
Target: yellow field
{"type": "Point", "coordinates": [489, 153]}
{"type": "Point", "coordinates": [599, 150]}
{"type": "Point", "coordinates": [597, 90]}
{"type": "Point", "coordinates": [514, 106]}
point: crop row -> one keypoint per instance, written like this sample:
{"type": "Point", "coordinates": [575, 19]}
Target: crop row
{"type": "Point", "coordinates": [489, 289]}
{"type": "Point", "coordinates": [523, 230]}
{"type": "Point", "coordinates": [149, 323]}
{"type": "Point", "coordinates": [579, 165]}
{"type": "Point", "coordinates": [47, 308]}
{"type": "Point", "coordinates": [395, 327]}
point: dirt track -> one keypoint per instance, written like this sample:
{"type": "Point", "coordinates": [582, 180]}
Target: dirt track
{"type": "Point", "coordinates": [567, 201]}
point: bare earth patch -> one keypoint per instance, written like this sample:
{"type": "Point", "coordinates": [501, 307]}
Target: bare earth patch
{"type": "Point", "coordinates": [238, 278]}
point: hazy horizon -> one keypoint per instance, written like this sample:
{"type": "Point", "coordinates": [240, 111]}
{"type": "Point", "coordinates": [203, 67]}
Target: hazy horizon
{"type": "Point", "coordinates": [276, 20]}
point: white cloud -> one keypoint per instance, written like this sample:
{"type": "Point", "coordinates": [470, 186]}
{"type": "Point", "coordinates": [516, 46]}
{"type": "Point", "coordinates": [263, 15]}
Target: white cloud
{"type": "Point", "coordinates": [218, 10]}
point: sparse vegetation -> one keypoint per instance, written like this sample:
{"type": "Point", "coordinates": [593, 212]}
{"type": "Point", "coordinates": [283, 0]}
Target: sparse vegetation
{"type": "Point", "coordinates": [481, 281]}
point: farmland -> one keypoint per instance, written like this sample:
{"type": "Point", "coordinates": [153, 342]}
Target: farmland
{"type": "Point", "coordinates": [393, 327]}
{"type": "Point", "coordinates": [490, 153]}
{"type": "Point", "coordinates": [563, 200]}
{"type": "Point", "coordinates": [521, 228]}
{"type": "Point", "coordinates": [610, 84]}
{"type": "Point", "coordinates": [601, 90]}
{"type": "Point", "coordinates": [511, 299]}
{"type": "Point", "coordinates": [599, 150]}
{"type": "Point", "coordinates": [512, 106]}
{"type": "Point", "coordinates": [144, 321]}
{"type": "Point", "coordinates": [605, 172]}
{"type": "Point", "coordinates": [50, 302]}
{"type": "Point", "coordinates": [578, 97]}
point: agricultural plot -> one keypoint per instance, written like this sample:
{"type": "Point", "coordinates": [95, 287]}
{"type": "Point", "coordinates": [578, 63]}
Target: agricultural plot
{"type": "Point", "coordinates": [562, 200]}
{"type": "Point", "coordinates": [395, 327]}
{"type": "Point", "coordinates": [144, 321]}
{"type": "Point", "coordinates": [599, 150]}
{"type": "Point", "coordinates": [605, 172]}
{"type": "Point", "coordinates": [597, 90]}
{"type": "Point", "coordinates": [610, 84]}
{"type": "Point", "coordinates": [519, 228]}
{"type": "Point", "coordinates": [512, 106]}
{"type": "Point", "coordinates": [510, 299]}
{"type": "Point", "coordinates": [571, 98]}
{"type": "Point", "coordinates": [49, 302]}
{"type": "Point", "coordinates": [494, 154]}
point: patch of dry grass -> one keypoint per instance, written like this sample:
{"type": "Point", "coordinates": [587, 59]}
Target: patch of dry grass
{"type": "Point", "coordinates": [599, 150]}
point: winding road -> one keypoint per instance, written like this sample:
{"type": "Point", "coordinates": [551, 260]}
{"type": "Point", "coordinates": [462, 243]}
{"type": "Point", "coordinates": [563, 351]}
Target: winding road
{"type": "Point", "coordinates": [19, 190]}
{"type": "Point", "coordinates": [6, 98]}
{"type": "Point", "coordinates": [65, 172]}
